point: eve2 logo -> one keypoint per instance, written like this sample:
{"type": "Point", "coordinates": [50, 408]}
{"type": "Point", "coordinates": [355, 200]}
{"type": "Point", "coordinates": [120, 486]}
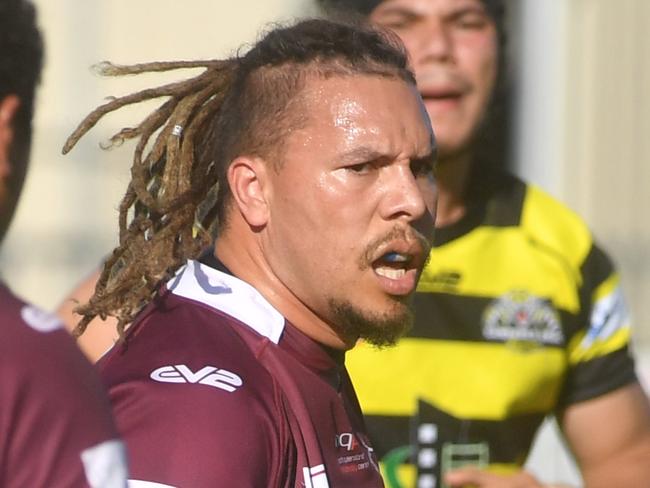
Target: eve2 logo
{"type": "Point", "coordinates": [208, 375]}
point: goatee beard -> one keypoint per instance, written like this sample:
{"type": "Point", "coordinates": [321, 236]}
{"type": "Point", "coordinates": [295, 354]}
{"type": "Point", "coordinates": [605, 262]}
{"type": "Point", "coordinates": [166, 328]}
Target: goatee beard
{"type": "Point", "coordinates": [380, 330]}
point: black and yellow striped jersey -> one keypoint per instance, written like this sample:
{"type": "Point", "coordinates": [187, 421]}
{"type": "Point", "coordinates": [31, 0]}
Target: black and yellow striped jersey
{"type": "Point", "coordinates": [518, 313]}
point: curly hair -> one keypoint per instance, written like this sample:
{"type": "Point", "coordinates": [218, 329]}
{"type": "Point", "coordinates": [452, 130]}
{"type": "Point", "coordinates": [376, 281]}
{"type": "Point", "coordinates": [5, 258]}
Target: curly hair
{"type": "Point", "coordinates": [178, 196]}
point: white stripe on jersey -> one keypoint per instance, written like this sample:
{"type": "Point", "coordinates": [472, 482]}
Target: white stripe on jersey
{"type": "Point", "coordinates": [147, 484]}
{"type": "Point", "coordinates": [105, 464]}
{"type": "Point", "coordinates": [231, 295]}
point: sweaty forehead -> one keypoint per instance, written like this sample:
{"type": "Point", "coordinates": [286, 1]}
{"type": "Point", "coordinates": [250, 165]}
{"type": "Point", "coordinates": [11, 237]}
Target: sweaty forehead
{"type": "Point", "coordinates": [379, 112]}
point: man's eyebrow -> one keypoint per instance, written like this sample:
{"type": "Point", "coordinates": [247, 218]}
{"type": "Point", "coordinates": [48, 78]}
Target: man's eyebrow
{"type": "Point", "coordinates": [400, 10]}
{"type": "Point", "coordinates": [468, 9]}
{"type": "Point", "coordinates": [430, 158]}
{"type": "Point", "coordinates": [362, 153]}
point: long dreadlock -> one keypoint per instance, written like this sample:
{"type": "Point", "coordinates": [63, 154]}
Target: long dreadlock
{"type": "Point", "coordinates": [174, 201]}
{"type": "Point", "coordinates": [157, 213]}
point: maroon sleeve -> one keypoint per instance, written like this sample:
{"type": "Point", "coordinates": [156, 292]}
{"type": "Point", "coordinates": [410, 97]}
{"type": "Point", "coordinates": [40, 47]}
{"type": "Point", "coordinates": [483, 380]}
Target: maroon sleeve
{"type": "Point", "coordinates": [194, 406]}
{"type": "Point", "coordinates": [55, 425]}
{"type": "Point", "coordinates": [196, 435]}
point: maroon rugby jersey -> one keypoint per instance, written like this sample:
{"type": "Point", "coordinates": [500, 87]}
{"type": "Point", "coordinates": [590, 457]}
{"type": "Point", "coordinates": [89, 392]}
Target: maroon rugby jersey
{"type": "Point", "coordinates": [214, 388]}
{"type": "Point", "coordinates": [55, 425]}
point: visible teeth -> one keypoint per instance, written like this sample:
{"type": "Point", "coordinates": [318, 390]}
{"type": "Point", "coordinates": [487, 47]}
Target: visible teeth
{"type": "Point", "coordinates": [395, 257]}
{"type": "Point", "coordinates": [391, 273]}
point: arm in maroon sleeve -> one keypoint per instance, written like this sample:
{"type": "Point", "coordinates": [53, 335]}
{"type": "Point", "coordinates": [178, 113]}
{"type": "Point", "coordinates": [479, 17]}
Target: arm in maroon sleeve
{"type": "Point", "coordinates": [196, 435]}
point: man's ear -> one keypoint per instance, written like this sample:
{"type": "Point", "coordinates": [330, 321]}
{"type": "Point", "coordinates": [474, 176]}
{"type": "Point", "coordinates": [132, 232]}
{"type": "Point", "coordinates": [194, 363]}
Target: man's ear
{"type": "Point", "coordinates": [8, 108]}
{"type": "Point", "coordinates": [249, 184]}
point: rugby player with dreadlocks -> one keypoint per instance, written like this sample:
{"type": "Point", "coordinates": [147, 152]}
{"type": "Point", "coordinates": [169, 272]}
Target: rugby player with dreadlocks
{"type": "Point", "coordinates": [518, 313]}
{"type": "Point", "coordinates": [310, 157]}
{"type": "Point", "coordinates": [56, 428]}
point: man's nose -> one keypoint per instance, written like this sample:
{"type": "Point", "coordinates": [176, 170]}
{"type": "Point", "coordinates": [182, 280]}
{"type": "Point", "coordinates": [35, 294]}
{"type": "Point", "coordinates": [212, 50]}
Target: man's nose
{"type": "Point", "coordinates": [404, 196]}
{"type": "Point", "coordinates": [434, 41]}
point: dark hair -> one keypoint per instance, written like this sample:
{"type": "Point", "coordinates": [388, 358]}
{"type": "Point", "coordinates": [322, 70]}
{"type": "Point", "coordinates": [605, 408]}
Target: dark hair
{"type": "Point", "coordinates": [271, 75]}
{"type": "Point", "coordinates": [246, 105]}
{"type": "Point", "coordinates": [21, 58]}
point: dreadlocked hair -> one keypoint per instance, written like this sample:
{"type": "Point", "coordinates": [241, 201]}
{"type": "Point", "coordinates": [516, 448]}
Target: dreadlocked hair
{"type": "Point", "coordinates": [178, 196]}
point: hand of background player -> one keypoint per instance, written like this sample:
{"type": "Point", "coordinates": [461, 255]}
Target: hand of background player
{"type": "Point", "coordinates": [465, 477]}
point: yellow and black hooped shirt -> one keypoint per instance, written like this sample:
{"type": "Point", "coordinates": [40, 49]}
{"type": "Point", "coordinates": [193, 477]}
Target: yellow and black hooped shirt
{"type": "Point", "coordinates": [518, 314]}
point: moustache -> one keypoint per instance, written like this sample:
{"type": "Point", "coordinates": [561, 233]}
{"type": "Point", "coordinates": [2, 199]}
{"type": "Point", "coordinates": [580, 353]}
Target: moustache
{"type": "Point", "coordinates": [400, 239]}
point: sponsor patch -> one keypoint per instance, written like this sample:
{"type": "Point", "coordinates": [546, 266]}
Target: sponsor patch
{"type": "Point", "coordinates": [354, 458]}
{"type": "Point", "coordinates": [609, 314]}
{"type": "Point", "coordinates": [446, 279]}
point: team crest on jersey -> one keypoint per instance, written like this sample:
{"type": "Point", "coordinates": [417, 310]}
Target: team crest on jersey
{"type": "Point", "coordinates": [521, 317]}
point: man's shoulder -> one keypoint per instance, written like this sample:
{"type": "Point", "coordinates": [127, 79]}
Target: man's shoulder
{"type": "Point", "coordinates": [191, 399]}
{"type": "Point", "coordinates": [181, 352]}
{"type": "Point", "coordinates": [551, 223]}
{"type": "Point", "coordinates": [39, 356]}
{"type": "Point", "coordinates": [545, 204]}
{"type": "Point", "coordinates": [30, 335]}
{"type": "Point", "coordinates": [179, 329]}
{"type": "Point", "coordinates": [48, 385]}
{"type": "Point", "coordinates": [202, 319]}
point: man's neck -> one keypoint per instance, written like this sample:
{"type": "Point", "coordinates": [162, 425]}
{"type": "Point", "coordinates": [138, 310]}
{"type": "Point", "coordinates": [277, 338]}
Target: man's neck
{"type": "Point", "coordinates": [453, 175]}
{"type": "Point", "coordinates": [249, 265]}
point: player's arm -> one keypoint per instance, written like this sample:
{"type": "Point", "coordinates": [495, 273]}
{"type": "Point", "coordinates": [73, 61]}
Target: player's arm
{"type": "Point", "coordinates": [610, 437]}
{"type": "Point", "coordinates": [182, 435]}
{"type": "Point", "coordinates": [100, 335]}
{"type": "Point", "coordinates": [605, 414]}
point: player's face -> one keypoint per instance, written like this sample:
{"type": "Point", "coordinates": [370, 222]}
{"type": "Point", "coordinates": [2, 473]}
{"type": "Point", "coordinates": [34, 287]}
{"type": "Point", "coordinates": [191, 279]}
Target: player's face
{"type": "Point", "coordinates": [354, 204]}
{"type": "Point", "coordinates": [453, 49]}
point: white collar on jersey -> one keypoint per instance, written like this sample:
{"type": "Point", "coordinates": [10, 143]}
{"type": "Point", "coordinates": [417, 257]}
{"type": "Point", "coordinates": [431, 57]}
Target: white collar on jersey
{"type": "Point", "coordinates": [229, 294]}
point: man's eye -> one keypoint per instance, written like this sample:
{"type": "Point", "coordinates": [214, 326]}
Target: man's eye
{"type": "Point", "coordinates": [421, 168]}
{"type": "Point", "coordinates": [360, 168]}
{"type": "Point", "coordinates": [396, 21]}
{"type": "Point", "coordinates": [472, 20]}
{"type": "Point", "coordinates": [396, 24]}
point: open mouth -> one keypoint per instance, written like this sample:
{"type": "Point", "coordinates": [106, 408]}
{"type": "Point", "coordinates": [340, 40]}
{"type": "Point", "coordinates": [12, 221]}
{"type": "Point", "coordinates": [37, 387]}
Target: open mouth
{"type": "Point", "coordinates": [398, 272]}
{"type": "Point", "coordinates": [393, 265]}
{"type": "Point", "coordinates": [396, 260]}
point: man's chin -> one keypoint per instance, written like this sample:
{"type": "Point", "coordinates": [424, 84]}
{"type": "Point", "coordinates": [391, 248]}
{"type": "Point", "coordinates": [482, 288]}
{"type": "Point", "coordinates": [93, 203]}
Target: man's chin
{"type": "Point", "coordinates": [378, 329]}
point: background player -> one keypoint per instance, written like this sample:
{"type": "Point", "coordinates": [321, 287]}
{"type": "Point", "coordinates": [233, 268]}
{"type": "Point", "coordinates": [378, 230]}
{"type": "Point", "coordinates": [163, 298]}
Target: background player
{"type": "Point", "coordinates": [233, 374]}
{"type": "Point", "coordinates": [519, 313]}
{"type": "Point", "coordinates": [55, 425]}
